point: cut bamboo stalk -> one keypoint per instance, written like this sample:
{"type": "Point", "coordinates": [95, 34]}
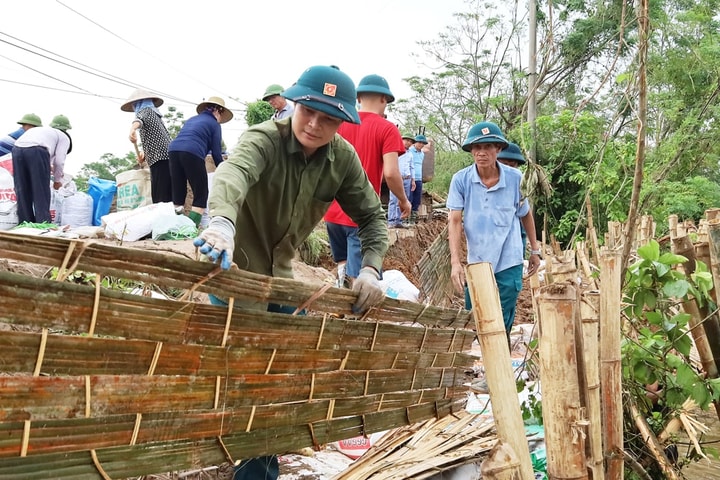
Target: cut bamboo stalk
{"type": "Point", "coordinates": [652, 443]}
{"type": "Point", "coordinates": [672, 226]}
{"type": "Point", "coordinates": [563, 414]}
{"type": "Point", "coordinates": [590, 315]}
{"type": "Point", "coordinates": [501, 464]}
{"type": "Point", "coordinates": [702, 254]}
{"type": "Point", "coordinates": [498, 368]}
{"type": "Point", "coordinates": [610, 362]}
{"type": "Point", "coordinates": [582, 260]}
{"type": "Point", "coordinates": [561, 268]}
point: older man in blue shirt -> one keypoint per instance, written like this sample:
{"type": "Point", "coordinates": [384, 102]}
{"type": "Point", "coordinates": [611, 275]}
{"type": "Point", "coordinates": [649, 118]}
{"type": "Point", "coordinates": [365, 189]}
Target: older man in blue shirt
{"type": "Point", "coordinates": [486, 201]}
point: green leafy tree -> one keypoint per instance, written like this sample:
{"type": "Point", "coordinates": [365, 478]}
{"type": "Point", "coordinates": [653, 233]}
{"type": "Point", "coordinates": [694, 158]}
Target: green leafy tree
{"type": "Point", "coordinates": [656, 365]}
{"type": "Point", "coordinates": [174, 120]}
{"type": "Point", "coordinates": [258, 112]}
{"type": "Point", "coordinates": [106, 168]}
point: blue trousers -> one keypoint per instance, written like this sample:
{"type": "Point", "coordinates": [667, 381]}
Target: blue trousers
{"type": "Point", "coordinates": [394, 205]}
{"type": "Point", "coordinates": [509, 283]}
{"type": "Point", "coordinates": [345, 247]}
{"type": "Point", "coordinates": [31, 172]}
{"type": "Point", "coordinates": [416, 196]}
{"type": "Point", "coordinates": [266, 467]}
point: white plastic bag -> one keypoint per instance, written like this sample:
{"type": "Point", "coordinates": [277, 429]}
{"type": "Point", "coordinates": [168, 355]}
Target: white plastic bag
{"type": "Point", "coordinates": [395, 285]}
{"type": "Point", "coordinates": [173, 227]}
{"type": "Point", "coordinates": [132, 225]}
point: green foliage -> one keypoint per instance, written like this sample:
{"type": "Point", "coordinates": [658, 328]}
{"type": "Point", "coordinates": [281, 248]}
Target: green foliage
{"type": "Point", "coordinates": [446, 164]}
{"type": "Point", "coordinates": [174, 120]}
{"type": "Point", "coordinates": [258, 112]}
{"type": "Point", "coordinates": [107, 168]}
{"type": "Point", "coordinates": [688, 199]}
{"type": "Point", "coordinates": [656, 351]}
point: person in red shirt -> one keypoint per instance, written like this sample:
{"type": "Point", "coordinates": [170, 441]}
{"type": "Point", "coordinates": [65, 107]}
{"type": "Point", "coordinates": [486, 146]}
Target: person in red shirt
{"type": "Point", "coordinates": [378, 143]}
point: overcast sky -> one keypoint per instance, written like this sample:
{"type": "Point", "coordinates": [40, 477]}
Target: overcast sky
{"type": "Point", "coordinates": [90, 55]}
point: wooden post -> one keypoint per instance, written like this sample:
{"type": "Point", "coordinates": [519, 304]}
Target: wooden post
{"type": "Point", "coordinates": [563, 415]}
{"type": "Point", "coordinates": [498, 368]}
{"type": "Point", "coordinates": [610, 362]}
{"type": "Point", "coordinates": [590, 315]}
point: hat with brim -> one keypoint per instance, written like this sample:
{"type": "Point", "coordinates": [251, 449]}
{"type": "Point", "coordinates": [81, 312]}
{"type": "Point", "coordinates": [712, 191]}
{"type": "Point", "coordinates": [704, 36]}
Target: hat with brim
{"type": "Point", "coordinates": [140, 94]}
{"type": "Point", "coordinates": [331, 106]}
{"type": "Point", "coordinates": [467, 146]}
{"type": "Point", "coordinates": [512, 152]}
{"type": "Point", "coordinates": [226, 114]}
{"type": "Point", "coordinates": [407, 136]}
{"type": "Point", "coordinates": [421, 139]}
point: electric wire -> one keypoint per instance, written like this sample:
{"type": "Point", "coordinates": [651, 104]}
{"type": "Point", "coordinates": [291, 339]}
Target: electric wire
{"type": "Point", "coordinates": [142, 50]}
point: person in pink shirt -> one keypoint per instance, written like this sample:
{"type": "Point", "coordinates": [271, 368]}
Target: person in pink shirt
{"type": "Point", "coordinates": [378, 144]}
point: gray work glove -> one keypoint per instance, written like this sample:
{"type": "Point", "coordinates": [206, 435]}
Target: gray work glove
{"type": "Point", "coordinates": [217, 241]}
{"type": "Point", "coordinates": [367, 286]}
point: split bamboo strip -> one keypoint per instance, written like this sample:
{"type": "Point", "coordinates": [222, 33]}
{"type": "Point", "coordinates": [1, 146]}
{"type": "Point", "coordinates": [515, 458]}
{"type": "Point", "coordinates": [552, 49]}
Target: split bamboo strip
{"type": "Point", "coordinates": [498, 368]}
{"type": "Point", "coordinates": [592, 233]}
{"type": "Point", "coordinates": [45, 398]}
{"type": "Point", "coordinates": [610, 362]}
{"type": "Point", "coordinates": [74, 355]}
{"type": "Point", "coordinates": [590, 315]}
{"type": "Point", "coordinates": [128, 461]}
{"type": "Point", "coordinates": [73, 434]}
{"type": "Point", "coordinates": [35, 302]}
{"type": "Point", "coordinates": [583, 263]}
{"type": "Point", "coordinates": [422, 450]}
{"type": "Point", "coordinates": [174, 271]}
{"type": "Point", "coordinates": [563, 414]}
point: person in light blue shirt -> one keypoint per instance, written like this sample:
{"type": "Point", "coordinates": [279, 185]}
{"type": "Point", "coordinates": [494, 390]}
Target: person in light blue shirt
{"type": "Point", "coordinates": [485, 201]}
{"type": "Point", "coordinates": [418, 157]}
{"type": "Point", "coordinates": [407, 171]}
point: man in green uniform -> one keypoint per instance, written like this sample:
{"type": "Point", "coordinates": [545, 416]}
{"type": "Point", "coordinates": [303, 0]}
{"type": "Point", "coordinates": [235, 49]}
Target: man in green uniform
{"type": "Point", "coordinates": [276, 186]}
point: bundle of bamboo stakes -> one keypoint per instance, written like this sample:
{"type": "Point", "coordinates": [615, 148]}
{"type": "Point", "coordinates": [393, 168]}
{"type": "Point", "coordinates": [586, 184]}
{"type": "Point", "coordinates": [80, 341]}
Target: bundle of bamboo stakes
{"type": "Point", "coordinates": [580, 356]}
{"type": "Point", "coordinates": [104, 384]}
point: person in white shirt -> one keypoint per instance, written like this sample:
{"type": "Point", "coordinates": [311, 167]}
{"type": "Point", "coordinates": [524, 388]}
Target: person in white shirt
{"type": "Point", "coordinates": [39, 155]}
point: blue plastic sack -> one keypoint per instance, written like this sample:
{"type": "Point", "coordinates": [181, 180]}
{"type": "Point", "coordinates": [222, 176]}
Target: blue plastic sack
{"type": "Point", "coordinates": [102, 192]}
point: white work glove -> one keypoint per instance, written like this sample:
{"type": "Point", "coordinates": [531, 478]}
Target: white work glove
{"type": "Point", "coordinates": [217, 241]}
{"type": "Point", "coordinates": [367, 286]}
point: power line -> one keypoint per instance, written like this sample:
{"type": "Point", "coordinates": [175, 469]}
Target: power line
{"type": "Point", "coordinates": [103, 75]}
{"type": "Point", "coordinates": [141, 50]}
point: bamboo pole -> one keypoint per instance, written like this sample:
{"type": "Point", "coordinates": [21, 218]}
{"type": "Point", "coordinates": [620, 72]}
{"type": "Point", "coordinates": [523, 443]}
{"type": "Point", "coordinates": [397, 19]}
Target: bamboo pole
{"type": "Point", "coordinates": [590, 315]}
{"type": "Point", "coordinates": [610, 361]}
{"type": "Point", "coordinates": [498, 368]}
{"type": "Point", "coordinates": [712, 322]}
{"type": "Point", "coordinates": [563, 415]}
{"type": "Point", "coordinates": [591, 232]}
{"type": "Point", "coordinates": [683, 246]}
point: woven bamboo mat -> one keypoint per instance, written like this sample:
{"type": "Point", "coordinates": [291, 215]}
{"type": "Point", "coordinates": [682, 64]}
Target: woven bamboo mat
{"type": "Point", "coordinates": [99, 383]}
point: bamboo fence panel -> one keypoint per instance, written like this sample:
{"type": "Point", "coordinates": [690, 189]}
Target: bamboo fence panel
{"type": "Point", "coordinates": [174, 271]}
{"type": "Point", "coordinates": [101, 383]}
{"type": "Point", "coordinates": [434, 270]}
